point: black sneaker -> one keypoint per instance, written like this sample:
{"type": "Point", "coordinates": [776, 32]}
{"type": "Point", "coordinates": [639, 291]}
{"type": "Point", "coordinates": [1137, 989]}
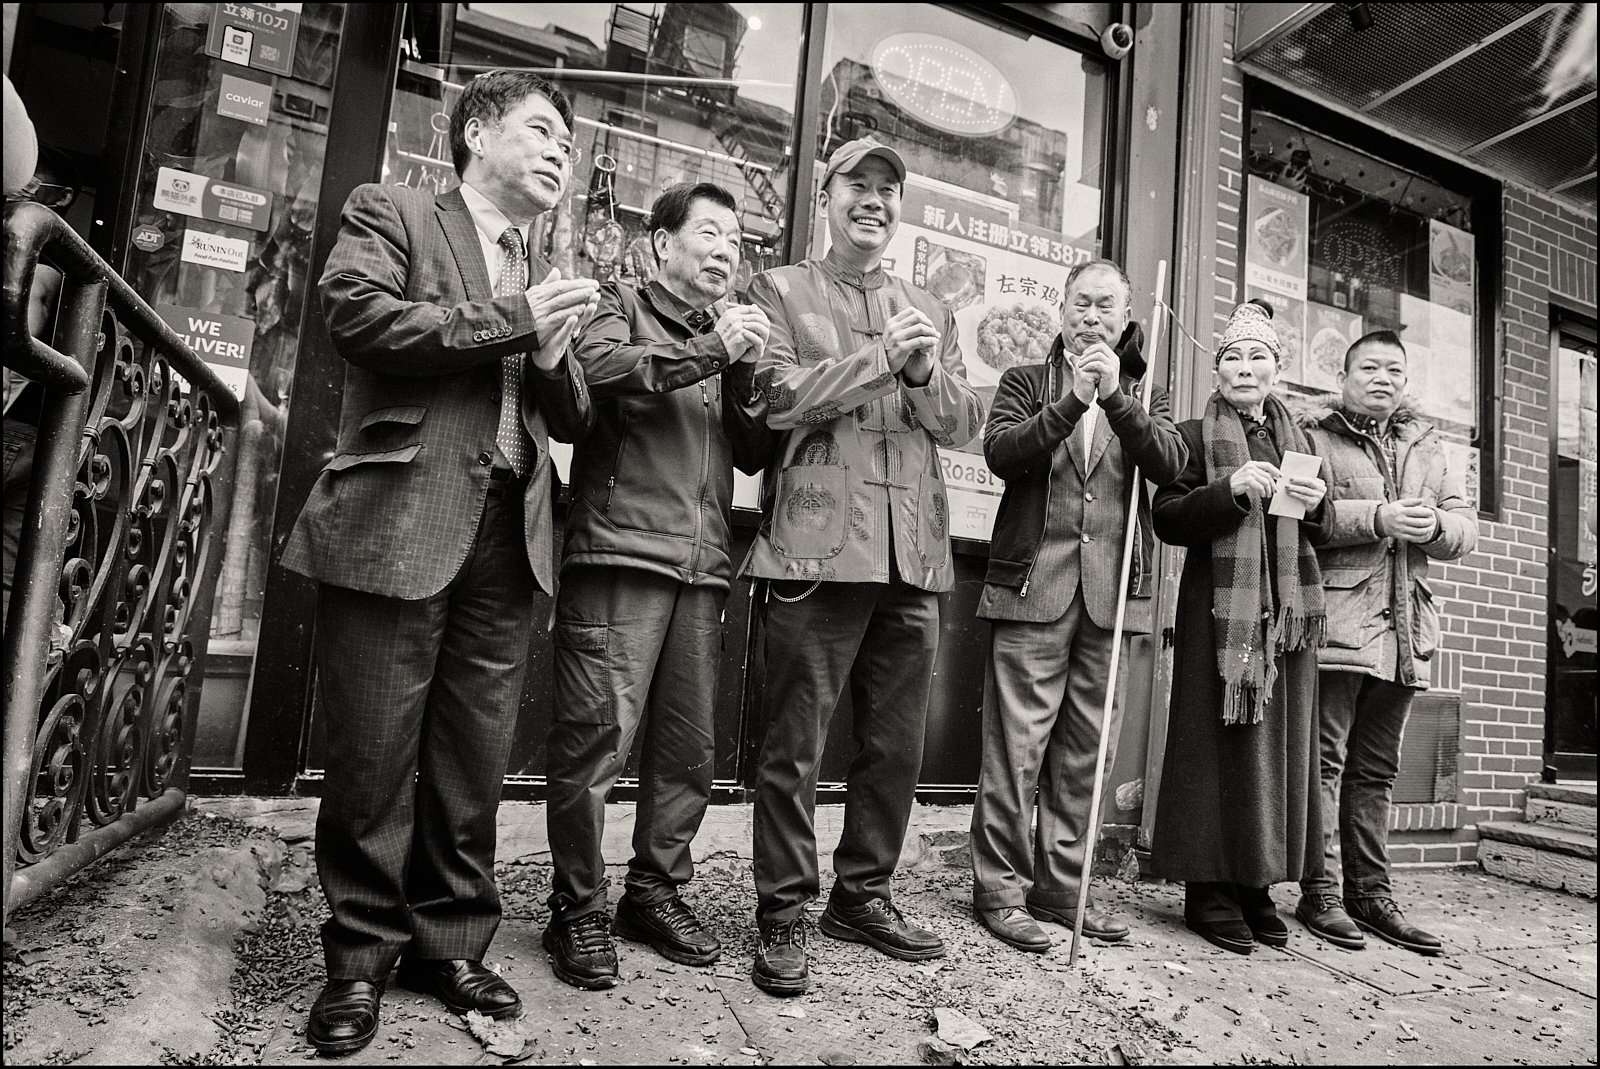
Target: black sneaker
{"type": "Point", "coordinates": [780, 963]}
{"type": "Point", "coordinates": [881, 926]}
{"type": "Point", "coordinates": [580, 949]}
{"type": "Point", "coordinates": [1383, 918]}
{"type": "Point", "coordinates": [670, 928]}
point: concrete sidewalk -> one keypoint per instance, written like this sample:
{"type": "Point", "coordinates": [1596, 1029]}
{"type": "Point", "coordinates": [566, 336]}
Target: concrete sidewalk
{"type": "Point", "coordinates": [198, 946]}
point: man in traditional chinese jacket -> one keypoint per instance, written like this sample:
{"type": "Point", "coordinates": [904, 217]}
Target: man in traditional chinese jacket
{"type": "Point", "coordinates": [863, 374]}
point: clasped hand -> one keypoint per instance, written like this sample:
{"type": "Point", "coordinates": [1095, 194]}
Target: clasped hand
{"type": "Point", "coordinates": [909, 339]}
{"type": "Point", "coordinates": [744, 330]}
{"type": "Point", "coordinates": [1096, 372]}
{"type": "Point", "coordinates": [1257, 479]}
{"type": "Point", "coordinates": [560, 308]}
{"type": "Point", "coordinates": [1410, 519]}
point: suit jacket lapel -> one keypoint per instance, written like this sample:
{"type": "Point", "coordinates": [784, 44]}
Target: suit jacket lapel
{"type": "Point", "coordinates": [459, 231]}
{"type": "Point", "coordinates": [1102, 438]}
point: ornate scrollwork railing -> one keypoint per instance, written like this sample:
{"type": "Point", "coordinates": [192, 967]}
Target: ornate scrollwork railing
{"type": "Point", "coordinates": [119, 551]}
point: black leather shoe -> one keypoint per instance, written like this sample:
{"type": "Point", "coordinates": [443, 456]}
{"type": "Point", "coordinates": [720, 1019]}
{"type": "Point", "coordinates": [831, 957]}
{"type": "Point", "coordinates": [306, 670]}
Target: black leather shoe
{"type": "Point", "coordinates": [881, 926]}
{"type": "Point", "coordinates": [1230, 934]}
{"type": "Point", "coordinates": [1383, 918]}
{"type": "Point", "coordinates": [1261, 916]}
{"type": "Point", "coordinates": [345, 1016]}
{"type": "Point", "coordinates": [460, 984]}
{"type": "Point", "coordinates": [1096, 925]}
{"type": "Point", "coordinates": [670, 928]}
{"type": "Point", "coordinates": [780, 963]}
{"type": "Point", "coordinates": [1324, 915]}
{"type": "Point", "coordinates": [1011, 924]}
{"type": "Point", "coordinates": [580, 948]}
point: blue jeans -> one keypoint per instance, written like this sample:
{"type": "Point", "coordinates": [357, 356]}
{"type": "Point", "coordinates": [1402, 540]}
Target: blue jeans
{"type": "Point", "coordinates": [1363, 718]}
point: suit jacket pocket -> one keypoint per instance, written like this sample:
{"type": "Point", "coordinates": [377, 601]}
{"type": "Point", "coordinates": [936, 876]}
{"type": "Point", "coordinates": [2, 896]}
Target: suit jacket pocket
{"type": "Point", "coordinates": [396, 414]}
{"type": "Point", "coordinates": [811, 517]}
{"type": "Point", "coordinates": [403, 455]}
{"type": "Point", "coordinates": [583, 693]}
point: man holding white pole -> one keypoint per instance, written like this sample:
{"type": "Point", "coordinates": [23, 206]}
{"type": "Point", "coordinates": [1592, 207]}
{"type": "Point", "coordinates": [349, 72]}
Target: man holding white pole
{"type": "Point", "coordinates": [1066, 436]}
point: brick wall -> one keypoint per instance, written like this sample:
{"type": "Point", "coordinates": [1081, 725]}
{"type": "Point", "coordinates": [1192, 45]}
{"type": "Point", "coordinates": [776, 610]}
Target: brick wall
{"type": "Point", "coordinates": [1498, 598]}
{"type": "Point", "coordinates": [1493, 647]}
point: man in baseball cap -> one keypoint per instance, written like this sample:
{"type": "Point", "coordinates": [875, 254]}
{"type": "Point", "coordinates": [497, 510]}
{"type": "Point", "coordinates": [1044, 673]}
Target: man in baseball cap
{"type": "Point", "coordinates": [863, 379]}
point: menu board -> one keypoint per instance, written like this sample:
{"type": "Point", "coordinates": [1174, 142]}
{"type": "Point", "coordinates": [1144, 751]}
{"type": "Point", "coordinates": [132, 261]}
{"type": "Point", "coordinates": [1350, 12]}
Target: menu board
{"type": "Point", "coordinates": [1276, 239]}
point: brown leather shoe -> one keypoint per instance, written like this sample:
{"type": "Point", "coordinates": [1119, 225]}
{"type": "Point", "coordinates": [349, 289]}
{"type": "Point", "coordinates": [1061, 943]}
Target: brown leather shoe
{"type": "Point", "coordinates": [1011, 924]}
{"type": "Point", "coordinates": [1096, 925]}
{"type": "Point", "coordinates": [460, 984]}
{"type": "Point", "coordinates": [1324, 915]}
{"type": "Point", "coordinates": [345, 1016]}
{"type": "Point", "coordinates": [882, 926]}
{"type": "Point", "coordinates": [1383, 918]}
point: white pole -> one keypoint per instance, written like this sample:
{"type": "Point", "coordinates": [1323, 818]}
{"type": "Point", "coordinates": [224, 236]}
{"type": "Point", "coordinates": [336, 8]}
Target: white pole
{"type": "Point", "coordinates": [1092, 831]}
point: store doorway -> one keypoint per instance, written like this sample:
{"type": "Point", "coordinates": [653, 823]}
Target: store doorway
{"type": "Point", "coordinates": [1570, 693]}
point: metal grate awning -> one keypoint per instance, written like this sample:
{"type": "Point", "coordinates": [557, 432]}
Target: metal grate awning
{"type": "Point", "coordinates": [1467, 80]}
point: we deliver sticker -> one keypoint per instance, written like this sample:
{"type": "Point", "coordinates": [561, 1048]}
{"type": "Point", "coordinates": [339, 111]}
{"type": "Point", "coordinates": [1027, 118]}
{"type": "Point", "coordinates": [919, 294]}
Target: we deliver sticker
{"type": "Point", "coordinates": [224, 342]}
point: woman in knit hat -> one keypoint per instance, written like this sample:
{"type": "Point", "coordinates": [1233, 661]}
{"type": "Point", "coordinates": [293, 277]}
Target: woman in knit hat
{"type": "Point", "coordinates": [1238, 805]}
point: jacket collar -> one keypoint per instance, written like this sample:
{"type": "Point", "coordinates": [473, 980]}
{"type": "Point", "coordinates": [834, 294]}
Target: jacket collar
{"type": "Point", "coordinates": [837, 269]}
{"type": "Point", "coordinates": [669, 306]}
{"type": "Point", "coordinates": [1328, 412]}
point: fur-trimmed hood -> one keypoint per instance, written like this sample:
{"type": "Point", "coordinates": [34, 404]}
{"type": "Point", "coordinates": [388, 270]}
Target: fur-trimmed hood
{"type": "Point", "coordinates": [1327, 411]}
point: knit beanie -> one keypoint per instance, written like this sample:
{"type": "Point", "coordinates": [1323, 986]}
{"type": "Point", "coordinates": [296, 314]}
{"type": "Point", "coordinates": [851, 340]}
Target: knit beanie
{"type": "Point", "coordinates": [1251, 321]}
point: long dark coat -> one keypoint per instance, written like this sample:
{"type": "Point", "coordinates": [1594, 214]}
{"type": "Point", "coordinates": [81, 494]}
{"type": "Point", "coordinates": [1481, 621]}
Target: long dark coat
{"type": "Point", "coordinates": [1237, 804]}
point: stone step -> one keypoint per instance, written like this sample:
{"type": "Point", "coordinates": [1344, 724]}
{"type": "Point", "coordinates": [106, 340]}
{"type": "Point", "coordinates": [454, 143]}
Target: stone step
{"type": "Point", "coordinates": [1575, 793]}
{"type": "Point", "coordinates": [1550, 812]}
{"type": "Point", "coordinates": [1541, 854]}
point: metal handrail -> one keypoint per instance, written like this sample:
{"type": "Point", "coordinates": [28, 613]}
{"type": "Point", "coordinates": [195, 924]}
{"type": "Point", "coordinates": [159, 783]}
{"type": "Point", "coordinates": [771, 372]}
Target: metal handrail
{"type": "Point", "coordinates": [72, 478]}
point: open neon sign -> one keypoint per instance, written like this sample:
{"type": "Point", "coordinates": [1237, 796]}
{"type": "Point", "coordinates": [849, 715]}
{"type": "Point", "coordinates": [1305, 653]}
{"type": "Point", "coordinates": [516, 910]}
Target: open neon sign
{"type": "Point", "coordinates": [944, 83]}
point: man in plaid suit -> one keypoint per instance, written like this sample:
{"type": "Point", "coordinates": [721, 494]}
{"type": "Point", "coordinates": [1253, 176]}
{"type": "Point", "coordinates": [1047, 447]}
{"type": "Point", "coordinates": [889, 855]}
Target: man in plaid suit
{"type": "Point", "coordinates": [430, 530]}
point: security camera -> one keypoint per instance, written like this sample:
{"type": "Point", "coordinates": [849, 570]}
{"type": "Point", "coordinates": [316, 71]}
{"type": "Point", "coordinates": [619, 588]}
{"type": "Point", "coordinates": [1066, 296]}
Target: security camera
{"type": "Point", "coordinates": [1116, 40]}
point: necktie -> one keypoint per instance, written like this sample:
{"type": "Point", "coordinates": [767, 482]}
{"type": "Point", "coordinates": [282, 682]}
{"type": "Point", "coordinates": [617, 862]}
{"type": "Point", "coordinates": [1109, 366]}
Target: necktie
{"type": "Point", "coordinates": [510, 435]}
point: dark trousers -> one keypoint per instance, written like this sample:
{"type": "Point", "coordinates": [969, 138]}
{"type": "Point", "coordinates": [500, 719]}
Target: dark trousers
{"type": "Point", "coordinates": [420, 701]}
{"type": "Point", "coordinates": [632, 648]}
{"type": "Point", "coordinates": [1363, 718]}
{"type": "Point", "coordinates": [881, 640]}
{"type": "Point", "coordinates": [1043, 694]}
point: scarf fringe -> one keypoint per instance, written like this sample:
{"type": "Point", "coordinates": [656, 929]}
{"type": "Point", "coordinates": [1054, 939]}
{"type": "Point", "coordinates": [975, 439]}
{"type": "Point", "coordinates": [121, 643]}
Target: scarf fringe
{"type": "Point", "coordinates": [1299, 632]}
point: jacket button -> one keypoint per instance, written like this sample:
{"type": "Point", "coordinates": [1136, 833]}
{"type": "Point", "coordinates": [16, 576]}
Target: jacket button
{"type": "Point", "coordinates": [1086, 536]}
{"type": "Point", "coordinates": [1088, 496]}
{"type": "Point", "coordinates": [1386, 613]}
{"type": "Point", "coordinates": [485, 458]}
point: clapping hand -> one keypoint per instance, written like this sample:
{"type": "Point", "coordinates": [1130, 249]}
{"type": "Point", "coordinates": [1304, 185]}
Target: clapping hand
{"type": "Point", "coordinates": [1099, 365]}
{"type": "Point", "coordinates": [744, 330]}
{"type": "Point", "coordinates": [560, 307]}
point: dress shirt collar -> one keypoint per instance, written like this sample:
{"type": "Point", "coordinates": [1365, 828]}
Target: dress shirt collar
{"type": "Point", "coordinates": [490, 221]}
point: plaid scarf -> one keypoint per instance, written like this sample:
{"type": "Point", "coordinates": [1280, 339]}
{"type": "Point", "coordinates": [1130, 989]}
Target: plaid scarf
{"type": "Point", "coordinates": [1252, 632]}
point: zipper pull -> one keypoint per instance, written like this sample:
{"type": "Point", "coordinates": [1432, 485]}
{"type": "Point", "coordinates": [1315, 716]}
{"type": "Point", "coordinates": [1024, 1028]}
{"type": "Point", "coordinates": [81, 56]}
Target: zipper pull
{"type": "Point", "coordinates": [1024, 591]}
{"type": "Point", "coordinates": [705, 394]}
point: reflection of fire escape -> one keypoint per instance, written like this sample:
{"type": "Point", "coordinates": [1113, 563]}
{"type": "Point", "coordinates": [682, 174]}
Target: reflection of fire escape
{"type": "Point", "coordinates": [728, 136]}
{"type": "Point", "coordinates": [628, 44]}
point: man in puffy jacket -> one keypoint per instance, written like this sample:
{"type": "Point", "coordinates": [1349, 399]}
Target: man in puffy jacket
{"type": "Point", "coordinates": [1398, 506]}
{"type": "Point", "coordinates": [644, 577]}
{"type": "Point", "coordinates": [864, 378]}
{"type": "Point", "coordinates": [1066, 436]}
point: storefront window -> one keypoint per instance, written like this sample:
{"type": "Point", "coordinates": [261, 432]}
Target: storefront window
{"type": "Point", "coordinates": [1341, 244]}
{"type": "Point", "coordinates": [224, 213]}
{"type": "Point", "coordinates": [1003, 137]}
{"type": "Point", "coordinates": [661, 94]}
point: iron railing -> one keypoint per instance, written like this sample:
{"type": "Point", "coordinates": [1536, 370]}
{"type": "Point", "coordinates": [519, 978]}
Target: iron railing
{"type": "Point", "coordinates": [118, 556]}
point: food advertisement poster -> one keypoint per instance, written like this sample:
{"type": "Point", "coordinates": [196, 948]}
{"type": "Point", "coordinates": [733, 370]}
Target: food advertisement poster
{"type": "Point", "coordinates": [1450, 267]}
{"type": "Point", "coordinates": [1001, 279]}
{"type": "Point", "coordinates": [1329, 333]}
{"type": "Point", "coordinates": [1276, 245]}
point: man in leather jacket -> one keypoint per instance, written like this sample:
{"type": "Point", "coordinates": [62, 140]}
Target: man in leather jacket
{"type": "Point", "coordinates": [644, 577]}
{"type": "Point", "coordinates": [1065, 436]}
